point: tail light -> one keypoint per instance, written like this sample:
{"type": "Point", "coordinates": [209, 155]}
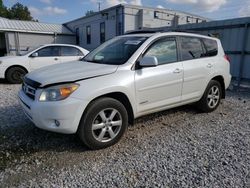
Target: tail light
{"type": "Point", "coordinates": [227, 58]}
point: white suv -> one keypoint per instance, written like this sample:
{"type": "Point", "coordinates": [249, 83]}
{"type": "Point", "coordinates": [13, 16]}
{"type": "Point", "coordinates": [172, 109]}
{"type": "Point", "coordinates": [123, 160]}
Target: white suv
{"type": "Point", "coordinates": [126, 77]}
{"type": "Point", "coordinates": [13, 68]}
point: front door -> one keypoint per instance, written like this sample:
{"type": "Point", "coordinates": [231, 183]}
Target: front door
{"type": "Point", "coordinates": [46, 56]}
{"type": "Point", "coordinates": [160, 86]}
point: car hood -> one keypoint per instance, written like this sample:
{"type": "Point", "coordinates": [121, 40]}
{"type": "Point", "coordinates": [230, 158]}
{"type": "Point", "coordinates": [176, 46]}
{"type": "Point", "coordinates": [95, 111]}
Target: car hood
{"type": "Point", "coordinates": [9, 58]}
{"type": "Point", "coordinates": [69, 72]}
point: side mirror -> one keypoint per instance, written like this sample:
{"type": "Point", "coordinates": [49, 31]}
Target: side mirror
{"type": "Point", "coordinates": [149, 61]}
{"type": "Point", "coordinates": [35, 54]}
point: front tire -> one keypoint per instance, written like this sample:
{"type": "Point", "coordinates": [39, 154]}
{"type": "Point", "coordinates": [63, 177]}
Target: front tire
{"type": "Point", "coordinates": [103, 124]}
{"type": "Point", "coordinates": [211, 97]}
{"type": "Point", "coordinates": [15, 74]}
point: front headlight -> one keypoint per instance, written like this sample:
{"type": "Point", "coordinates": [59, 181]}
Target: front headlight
{"type": "Point", "coordinates": [59, 92]}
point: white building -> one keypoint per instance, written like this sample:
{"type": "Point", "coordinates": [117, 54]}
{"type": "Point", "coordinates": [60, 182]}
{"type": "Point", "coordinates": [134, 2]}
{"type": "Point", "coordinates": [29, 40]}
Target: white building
{"type": "Point", "coordinates": [92, 30]}
{"type": "Point", "coordinates": [89, 31]}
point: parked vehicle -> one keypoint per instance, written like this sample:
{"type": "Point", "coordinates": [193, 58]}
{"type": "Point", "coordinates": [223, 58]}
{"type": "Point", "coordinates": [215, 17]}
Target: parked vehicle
{"type": "Point", "coordinates": [125, 78]}
{"type": "Point", "coordinates": [13, 68]}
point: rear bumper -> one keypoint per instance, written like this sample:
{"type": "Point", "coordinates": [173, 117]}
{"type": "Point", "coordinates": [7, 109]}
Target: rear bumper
{"type": "Point", "coordinates": [44, 115]}
{"type": "Point", "coordinates": [227, 80]}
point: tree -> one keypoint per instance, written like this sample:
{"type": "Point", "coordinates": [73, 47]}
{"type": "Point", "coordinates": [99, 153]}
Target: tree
{"type": "Point", "coordinates": [17, 12]}
{"type": "Point", "coordinates": [20, 12]}
{"type": "Point", "coordinates": [3, 10]}
{"type": "Point", "coordinates": [89, 12]}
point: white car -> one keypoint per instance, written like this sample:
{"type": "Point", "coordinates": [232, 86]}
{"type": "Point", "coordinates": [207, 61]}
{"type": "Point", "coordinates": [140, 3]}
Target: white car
{"type": "Point", "coordinates": [126, 77]}
{"type": "Point", "coordinates": [13, 68]}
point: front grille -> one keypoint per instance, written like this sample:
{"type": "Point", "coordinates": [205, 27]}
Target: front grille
{"type": "Point", "coordinates": [29, 91]}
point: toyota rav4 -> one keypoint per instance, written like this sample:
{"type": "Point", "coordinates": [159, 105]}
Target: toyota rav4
{"type": "Point", "coordinates": [126, 77]}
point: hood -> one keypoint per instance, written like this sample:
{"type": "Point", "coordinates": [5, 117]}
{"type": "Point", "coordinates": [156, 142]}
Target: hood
{"type": "Point", "coordinates": [9, 58]}
{"type": "Point", "coordinates": [69, 72]}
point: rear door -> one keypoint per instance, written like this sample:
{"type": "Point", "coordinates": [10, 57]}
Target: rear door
{"type": "Point", "coordinates": [197, 67]}
{"type": "Point", "coordinates": [69, 53]}
{"type": "Point", "coordinates": [157, 87]}
{"type": "Point", "coordinates": [49, 55]}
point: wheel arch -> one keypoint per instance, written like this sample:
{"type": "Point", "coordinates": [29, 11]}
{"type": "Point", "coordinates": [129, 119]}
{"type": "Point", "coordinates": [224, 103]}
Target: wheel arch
{"type": "Point", "coordinates": [220, 79]}
{"type": "Point", "coordinates": [121, 97]}
{"type": "Point", "coordinates": [12, 66]}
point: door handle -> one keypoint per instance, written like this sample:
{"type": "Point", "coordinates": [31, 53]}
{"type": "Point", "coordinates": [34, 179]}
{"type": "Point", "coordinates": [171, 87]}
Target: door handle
{"type": "Point", "coordinates": [56, 58]}
{"type": "Point", "coordinates": [177, 71]}
{"type": "Point", "coordinates": [209, 65]}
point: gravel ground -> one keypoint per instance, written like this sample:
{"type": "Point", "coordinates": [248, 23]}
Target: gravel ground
{"type": "Point", "coordinates": [174, 148]}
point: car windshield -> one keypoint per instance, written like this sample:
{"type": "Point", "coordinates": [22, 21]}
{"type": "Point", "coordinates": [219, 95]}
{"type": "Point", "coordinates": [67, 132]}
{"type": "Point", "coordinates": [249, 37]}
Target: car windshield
{"type": "Point", "coordinates": [30, 49]}
{"type": "Point", "coordinates": [116, 51]}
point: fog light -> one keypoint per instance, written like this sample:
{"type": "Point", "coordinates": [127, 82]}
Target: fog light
{"type": "Point", "coordinates": [57, 123]}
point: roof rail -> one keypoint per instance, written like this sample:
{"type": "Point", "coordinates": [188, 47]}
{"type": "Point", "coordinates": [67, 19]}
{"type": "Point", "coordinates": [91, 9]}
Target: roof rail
{"type": "Point", "coordinates": [160, 30]}
{"type": "Point", "coordinates": [142, 32]}
{"type": "Point", "coordinates": [145, 31]}
{"type": "Point", "coordinates": [182, 30]}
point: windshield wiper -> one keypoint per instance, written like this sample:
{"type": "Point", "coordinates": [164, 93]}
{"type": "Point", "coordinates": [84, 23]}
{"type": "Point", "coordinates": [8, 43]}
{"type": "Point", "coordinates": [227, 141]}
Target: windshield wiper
{"type": "Point", "coordinates": [93, 61]}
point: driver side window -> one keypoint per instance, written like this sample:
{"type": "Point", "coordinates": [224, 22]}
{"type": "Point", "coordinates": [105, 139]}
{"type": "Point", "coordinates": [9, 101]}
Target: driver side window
{"type": "Point", "coordinates": [165, 50]}
{"type": "Point", "coordinates": [49, 51]}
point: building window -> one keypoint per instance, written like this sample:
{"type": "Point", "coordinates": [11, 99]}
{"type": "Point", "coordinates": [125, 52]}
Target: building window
{"type": "Point", "coordinates": [105, 15]}
{"type": "Point", "coordinates": [156, 14]}
{"type": "Point", "coordinates": [77, 36]}
{"type": "Point", "coordinates": [189, 19]}
{"type": "Point", "coordinates": [88, 34]}
{"type": "Point", "coordinates": [102, 32]}
{"type": "Point", "coordinates": [119, 28]}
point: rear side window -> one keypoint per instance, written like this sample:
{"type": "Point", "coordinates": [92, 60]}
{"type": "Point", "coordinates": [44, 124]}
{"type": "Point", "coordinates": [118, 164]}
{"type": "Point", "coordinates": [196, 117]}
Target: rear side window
{"type": "Point", "coordinates": [191, 48]}
{"type": "Point", "coordinates": [70, 51]}
{"type": "Point", "coordinates": [211, 47]}
{"type": "Point", "coordinates": [164, 50]}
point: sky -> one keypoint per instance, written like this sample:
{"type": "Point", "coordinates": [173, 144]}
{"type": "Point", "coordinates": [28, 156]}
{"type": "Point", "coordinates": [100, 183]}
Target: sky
{"type": "Point", "coordinates": [61, 11]}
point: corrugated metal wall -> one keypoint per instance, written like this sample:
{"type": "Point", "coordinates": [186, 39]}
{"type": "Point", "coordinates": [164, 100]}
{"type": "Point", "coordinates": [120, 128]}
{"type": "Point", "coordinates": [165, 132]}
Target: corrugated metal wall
{"type": "Point", "coordinates": [235, 37]}
{"type": "Point", "coordinates": [21, 42]}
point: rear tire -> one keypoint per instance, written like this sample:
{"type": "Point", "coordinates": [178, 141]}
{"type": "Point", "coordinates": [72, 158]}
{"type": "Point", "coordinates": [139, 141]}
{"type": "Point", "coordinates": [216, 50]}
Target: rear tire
{"type": "Point", "coordinates": [103, 124]}
{"type": "Point", "coordinates": [15, 74]}
{"type": "Point", "coordinates": [211, 97]}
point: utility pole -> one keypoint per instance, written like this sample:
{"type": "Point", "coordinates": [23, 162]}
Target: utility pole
{"type": "Point", "coordinates": [99, 6]}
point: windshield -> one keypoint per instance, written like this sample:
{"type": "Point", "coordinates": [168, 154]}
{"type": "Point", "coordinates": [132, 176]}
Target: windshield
{"type": "Point", "coordinates": [116, 51]}
{"type": "Point", "coordinates": [30, 49]}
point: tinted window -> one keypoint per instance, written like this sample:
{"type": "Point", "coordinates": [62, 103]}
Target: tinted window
{"type": "Point", "coordinates": [102, 32]}
{"type": "Point", "coordinates": [77, 36]}
{"type": "Point", "coordinates": [70, 51]}
{"type": "Point", "coordinates": [116, 51]}
{"type": "Point", "coordinates": [191, 48]}
{"type": "Point", "coordinates": [164, 50]}
{"type": "Point", "coordinates": [88, 34]}
{"type": "Point", "coordinates": [211, 47]}
{"type": "Point", "coordinates": [48, 51]}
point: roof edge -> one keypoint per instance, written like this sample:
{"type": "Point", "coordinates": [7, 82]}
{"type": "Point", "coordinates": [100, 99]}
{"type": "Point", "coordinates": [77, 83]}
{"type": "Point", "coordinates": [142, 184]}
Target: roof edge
{"type": "Point", "coordinates": [95, 13]}
{"type": "Point", "coordinates": [137, 6]}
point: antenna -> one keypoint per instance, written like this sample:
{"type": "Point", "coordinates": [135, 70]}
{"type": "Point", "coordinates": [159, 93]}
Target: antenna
{"type": "Point", "coordinates": [99, 6]}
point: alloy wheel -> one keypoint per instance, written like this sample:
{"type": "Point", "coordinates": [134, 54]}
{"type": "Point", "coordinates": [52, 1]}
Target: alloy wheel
{"type": "Point", "coordinates": [106, 125]}
{"type": "Point", "coordinates": [213, 96]}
